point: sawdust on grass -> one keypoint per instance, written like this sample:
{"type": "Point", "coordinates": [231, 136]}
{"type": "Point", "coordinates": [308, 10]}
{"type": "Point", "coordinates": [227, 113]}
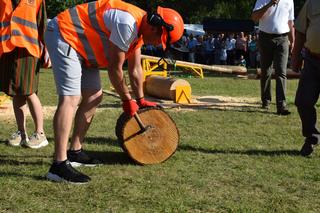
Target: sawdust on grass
{"type": "Point", "coordinates": [198, 102]}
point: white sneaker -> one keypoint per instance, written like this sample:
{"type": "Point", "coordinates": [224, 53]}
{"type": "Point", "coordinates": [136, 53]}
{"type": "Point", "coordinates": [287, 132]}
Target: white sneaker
{"type": "Point", "coordinates": [16, 139]}
{"type": "Point", "coordinates": [36, 141]}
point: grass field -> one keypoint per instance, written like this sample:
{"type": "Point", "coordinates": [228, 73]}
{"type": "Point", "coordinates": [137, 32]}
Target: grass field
{"type": "Point", "coordinates": [228, 160]}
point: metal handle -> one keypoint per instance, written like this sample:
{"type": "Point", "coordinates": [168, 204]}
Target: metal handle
{"type": "Point", "coordinates": [141, 125]}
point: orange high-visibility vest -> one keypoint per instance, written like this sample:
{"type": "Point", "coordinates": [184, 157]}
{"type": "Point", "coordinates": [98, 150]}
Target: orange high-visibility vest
{"type": "Point", "coordinates": [5, 14]}
{"type": "Point", "coordinates": [18, 27]}
{"type": "Point", "coordinates": [84, 30]}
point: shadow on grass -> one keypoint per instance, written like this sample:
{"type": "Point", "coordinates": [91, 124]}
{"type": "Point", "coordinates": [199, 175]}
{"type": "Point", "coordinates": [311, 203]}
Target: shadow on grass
{"type": "Point", "coordinates": [242, 152]}
{"type": "Point", "coordinates": [23, 175]}
{"type": "Point", "coordinates": [13, 161]}
{"type": "Point", "coordinates": [111, 158]}
{"type": "Point", "coordinates": [217, 107]}
{"type": "Point", "coordinates": [101, 141]}
{"type": "Point", "coordinates": [107, 157]}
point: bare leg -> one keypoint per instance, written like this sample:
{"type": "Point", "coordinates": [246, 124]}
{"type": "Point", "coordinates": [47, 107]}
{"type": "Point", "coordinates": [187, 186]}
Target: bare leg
{"type": "Point", "coordinates": [62, 123]}
{"type": "Point", "coordinates": [36, 112]}
{"type": "Point", "coordinates": [85, 113]}
{"type": "Point", "coordinates": [19, 107]}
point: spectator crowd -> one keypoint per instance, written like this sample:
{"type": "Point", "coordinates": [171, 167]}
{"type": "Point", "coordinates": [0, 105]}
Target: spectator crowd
{"type": "Point", "coordinates": [219, 49]}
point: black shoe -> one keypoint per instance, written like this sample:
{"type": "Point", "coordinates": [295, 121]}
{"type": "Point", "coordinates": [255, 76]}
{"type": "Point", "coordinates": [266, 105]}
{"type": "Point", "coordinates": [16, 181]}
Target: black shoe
{"type": "Point", "coordinates": [265, 106]}
{"type": "Point", "coordinates": [80, 158]}
{"type": "Point", "coordinates": [283, 111]}
{"type": "Point", "coordinates": [65, 172]}
{"type": "Point", "coordinates": [307, 149]}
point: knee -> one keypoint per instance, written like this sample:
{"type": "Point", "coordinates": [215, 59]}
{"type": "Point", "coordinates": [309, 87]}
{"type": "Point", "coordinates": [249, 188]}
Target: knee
{"type": "Point", "coordinates": [299, 101]}
{"type": "Point", "coordinates": [302, 102]}
{"type": "Point", "coordinates": [71, 101]}
{"type": "Point", "coordinates": [92, 99]}
{"type": "Point", "coordinates": [32, 97]}
{"type": "Point", "coordinates": [281, 76]}
{"type": "Point", "coordinates": [20, 99]}
{"type": "Point", "coordinates": [97, 98]}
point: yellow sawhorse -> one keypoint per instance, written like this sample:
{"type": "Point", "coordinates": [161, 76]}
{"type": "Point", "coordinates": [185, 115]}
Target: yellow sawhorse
{"type": "Point", "coordinates": [3, 99]}
{"type": "Point", "coordinates": [150, 65]}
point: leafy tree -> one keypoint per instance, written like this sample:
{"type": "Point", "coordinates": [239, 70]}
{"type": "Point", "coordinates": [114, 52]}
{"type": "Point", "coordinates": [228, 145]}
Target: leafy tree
{"type": "Point", "coordinates": [192, 11]}
{"type": "Point", "coordinates": [56, 6]}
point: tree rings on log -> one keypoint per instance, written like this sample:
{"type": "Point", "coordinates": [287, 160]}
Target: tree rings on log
{"type": "Point", "coordinates": [154, 145]}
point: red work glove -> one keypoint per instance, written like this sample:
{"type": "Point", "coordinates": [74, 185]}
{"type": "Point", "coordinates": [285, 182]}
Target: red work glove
{"type": "Point", "coordinates": [130, 107]}
{"type": "Point", "coordinates": [143, 103]}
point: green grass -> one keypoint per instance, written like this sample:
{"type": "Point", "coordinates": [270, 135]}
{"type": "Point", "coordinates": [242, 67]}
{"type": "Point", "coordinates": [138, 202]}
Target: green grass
{"type": "Point", "coordinates": [235, 160]}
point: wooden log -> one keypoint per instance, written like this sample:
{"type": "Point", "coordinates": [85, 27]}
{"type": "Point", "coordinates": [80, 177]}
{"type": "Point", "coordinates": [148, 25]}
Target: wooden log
{"type": "Point", "coordinates": [163, 87]}
{"type": "Point", "coordinates": [5, 104]}
{"type": "Point", "coordinates": [154, 145]}
{"type": "Point", "coordinates": [290, 74]}
{"type": "Point", "coordinates": [216, 68]}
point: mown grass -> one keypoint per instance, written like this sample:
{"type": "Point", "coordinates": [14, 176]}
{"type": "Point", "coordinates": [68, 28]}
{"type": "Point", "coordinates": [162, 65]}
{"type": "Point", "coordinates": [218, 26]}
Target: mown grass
{"type": "Point", "coordinates": [233, 160]}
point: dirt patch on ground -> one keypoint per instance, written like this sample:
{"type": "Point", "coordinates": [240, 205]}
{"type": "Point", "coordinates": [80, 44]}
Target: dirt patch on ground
{"type": "Point", "coordinates": [214, 102]}
{"type": "Point", "coordinates": [6, 111]}
{"type": "Point", "coordinates": [197, 103]}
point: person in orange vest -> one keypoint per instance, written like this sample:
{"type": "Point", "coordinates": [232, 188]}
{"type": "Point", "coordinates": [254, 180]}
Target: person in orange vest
{"type": "Point", "coordinates": [82, 39]}
{"type": "Point", "coordinates": [21, 56]}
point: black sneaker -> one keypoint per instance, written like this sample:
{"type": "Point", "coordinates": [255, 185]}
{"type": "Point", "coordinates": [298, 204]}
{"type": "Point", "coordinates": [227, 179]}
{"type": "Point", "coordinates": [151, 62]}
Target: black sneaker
{"type": "Point", "coordinates": [80, 158]}
{"type": "Point", "coordinates": [65, 172]}
{"type": "Point", "coordinates": [283, 111]}
{"type": "Point", "coordinates": [265, 106]}
{"type": "Point", "coordinates": [307, 149]}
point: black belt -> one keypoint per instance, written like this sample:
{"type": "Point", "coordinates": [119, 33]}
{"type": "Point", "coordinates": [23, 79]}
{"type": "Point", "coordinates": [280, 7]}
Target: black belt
{"type": "Point", "coordinates": [271, 35]}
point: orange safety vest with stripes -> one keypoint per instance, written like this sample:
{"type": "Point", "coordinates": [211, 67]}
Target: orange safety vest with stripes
{"type": "Point", "coordinates": [84, 30]}
{"type": "Point", "coordinates": [18, 27]}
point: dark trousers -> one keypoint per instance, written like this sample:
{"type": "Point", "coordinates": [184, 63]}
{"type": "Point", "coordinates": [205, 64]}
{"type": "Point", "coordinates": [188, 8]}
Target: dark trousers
{"type": "Point", "coordinates": [274, 51]}
{"type": "Point", "coordinates": [306, 98]}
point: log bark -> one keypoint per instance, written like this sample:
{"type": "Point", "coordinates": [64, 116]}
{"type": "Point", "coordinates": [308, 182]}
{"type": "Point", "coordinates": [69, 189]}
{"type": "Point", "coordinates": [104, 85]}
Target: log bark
{"type": "Point", "coordinates": [163, 87]}
{"type": "Point", "coordinates": [290, 74]}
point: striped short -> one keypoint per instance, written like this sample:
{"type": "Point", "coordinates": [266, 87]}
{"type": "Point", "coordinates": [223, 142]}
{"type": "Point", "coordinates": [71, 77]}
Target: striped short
{"type": "Point", "coordinates": [19, 72]}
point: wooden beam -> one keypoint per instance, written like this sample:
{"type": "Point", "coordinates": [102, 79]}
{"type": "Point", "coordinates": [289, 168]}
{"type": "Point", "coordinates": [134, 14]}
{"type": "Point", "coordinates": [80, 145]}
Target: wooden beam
{"type": "Point", "coordinates": [240, 70]}
{"type": "Point", "coordinates": [290, 73]}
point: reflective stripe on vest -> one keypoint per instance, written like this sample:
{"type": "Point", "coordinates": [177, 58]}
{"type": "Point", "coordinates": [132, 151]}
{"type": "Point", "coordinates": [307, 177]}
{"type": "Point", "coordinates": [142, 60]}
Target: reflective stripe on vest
{"type": "Point", "coordinates": [27, 38]}
{"type": "Point", "coordinates": [94, 22]}
{"type": "Point", "coordinates": [84, 29]}
{"type": "Point", "coordinates": [18, 27]}
{"type": "Point", "coordinates": [87, 47]}
{"type": "Point", "coordinates": [4, 24]}
{"type": "Point", "coordinates": [5, 15]}
{"type": "Point", "coordinates": [24, 22]}
{"type": "Point", "coordinates": [4, 37]}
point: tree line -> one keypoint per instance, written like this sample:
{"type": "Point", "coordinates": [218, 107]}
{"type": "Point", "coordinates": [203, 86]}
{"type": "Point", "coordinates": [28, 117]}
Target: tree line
{"type": "Point", "coordinates": [192, 11]}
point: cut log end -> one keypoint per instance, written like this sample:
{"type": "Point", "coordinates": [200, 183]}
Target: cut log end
{"type": "Point", "coordinates": [152, 146]}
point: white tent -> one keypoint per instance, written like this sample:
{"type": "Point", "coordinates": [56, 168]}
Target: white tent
{"type": "Point", "coordinates": [194, 29]}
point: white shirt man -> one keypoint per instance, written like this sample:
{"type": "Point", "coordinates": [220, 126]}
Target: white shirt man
{"type": "Point", "coordinates": [275, 20]}
{"type": "Point", "coordinates": [276, 29]}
